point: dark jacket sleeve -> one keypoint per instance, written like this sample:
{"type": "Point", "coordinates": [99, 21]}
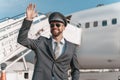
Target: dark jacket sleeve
{"type": "Point", "coordinates": [23, 35]}
{"type": "Point", "coordinates": [75, 73]}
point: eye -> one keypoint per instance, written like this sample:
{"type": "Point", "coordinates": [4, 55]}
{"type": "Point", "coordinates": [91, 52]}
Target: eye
{"type": "Point", "coordinates": [51, 25]}
{"type": "Point", "coordinates": [58, 25]}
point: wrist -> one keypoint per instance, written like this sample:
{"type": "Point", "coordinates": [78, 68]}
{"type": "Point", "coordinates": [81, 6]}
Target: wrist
{"type": "Point", "coordinates": [30, 19]}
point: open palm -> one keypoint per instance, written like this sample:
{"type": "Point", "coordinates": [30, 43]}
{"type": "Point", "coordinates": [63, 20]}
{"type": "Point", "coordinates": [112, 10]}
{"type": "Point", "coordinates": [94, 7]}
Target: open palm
{"type": "Point", "coordinates": [31, 12]}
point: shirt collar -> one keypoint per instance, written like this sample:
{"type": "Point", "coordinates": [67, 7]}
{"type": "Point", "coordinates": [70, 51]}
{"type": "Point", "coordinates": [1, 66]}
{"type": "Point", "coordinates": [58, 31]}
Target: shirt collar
{"type": "Point", "coordinates": [61, 42]}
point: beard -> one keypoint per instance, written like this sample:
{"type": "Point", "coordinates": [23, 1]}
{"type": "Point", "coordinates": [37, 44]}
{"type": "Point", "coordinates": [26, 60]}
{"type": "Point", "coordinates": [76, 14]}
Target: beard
{"type": "Point", "coordinates": [56, 33]}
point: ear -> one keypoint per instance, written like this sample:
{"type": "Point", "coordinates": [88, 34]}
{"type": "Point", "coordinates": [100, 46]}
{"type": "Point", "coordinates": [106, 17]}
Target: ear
{"type": "Point", "coordinates": [63, 27]}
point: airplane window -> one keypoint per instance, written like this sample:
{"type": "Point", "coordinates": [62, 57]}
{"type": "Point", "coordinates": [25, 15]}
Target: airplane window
{"type": "Point", "coordinates": [95, 24]}
{"type": "Point", "coordinates": [104, 23]}
{"type": "Point", "coordinates": [79, 25]}
{"type": "Point", "coordinates": [114, 21]}
{"type": "Point", "coordinates": [87, 25]}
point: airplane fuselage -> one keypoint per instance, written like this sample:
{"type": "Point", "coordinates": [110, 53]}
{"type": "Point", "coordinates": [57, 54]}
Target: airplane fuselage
{"type": "Point", "coordinates": [100, 44]}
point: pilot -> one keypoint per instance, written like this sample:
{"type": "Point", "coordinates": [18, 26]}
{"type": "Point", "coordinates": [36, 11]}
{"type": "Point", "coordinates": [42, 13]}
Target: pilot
{"type": "Point", "coordinates": [55, 55]}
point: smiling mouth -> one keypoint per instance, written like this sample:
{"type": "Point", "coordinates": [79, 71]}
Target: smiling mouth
{"type": "Point", "coordinates": [55, 30]}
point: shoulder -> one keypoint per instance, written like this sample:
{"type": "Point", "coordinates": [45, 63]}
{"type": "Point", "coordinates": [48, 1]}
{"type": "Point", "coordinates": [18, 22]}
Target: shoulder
{"type": "Point", "coordinates": [70, 43]}
{"type": "Point", "coordinates": [43, 38]}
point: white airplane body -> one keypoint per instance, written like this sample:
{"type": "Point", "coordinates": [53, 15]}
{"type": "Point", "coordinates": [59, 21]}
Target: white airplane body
{"type": "Point", "coordinates": [97, 34]}
{"type": "Point", "coordinates": [100, 45]}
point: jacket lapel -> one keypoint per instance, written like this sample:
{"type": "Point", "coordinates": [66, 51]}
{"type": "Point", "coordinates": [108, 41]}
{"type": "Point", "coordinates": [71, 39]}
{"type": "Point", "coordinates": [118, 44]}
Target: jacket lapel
{"type": "Point", "coordinates": [65, 50]}
{"type": "Point", "coordinates": [50, 47]}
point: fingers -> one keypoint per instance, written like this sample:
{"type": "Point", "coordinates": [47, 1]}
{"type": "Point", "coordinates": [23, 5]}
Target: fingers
{"type": "Point", "coordinates": [34, 6]}
{"type": "Point", "coordinates": [31, 7]}
{"type": "Point", "coordinates": [31, 12]}
{"type": "Point", "coordinates": [36, 13]}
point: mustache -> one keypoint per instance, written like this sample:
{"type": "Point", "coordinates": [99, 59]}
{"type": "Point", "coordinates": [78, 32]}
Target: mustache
{"type": "Point", "coordinates": [54, 29]}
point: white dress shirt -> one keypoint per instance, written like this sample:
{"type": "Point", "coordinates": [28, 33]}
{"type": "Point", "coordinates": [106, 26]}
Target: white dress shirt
{"type": "Point", "coordinates": [62, 45]}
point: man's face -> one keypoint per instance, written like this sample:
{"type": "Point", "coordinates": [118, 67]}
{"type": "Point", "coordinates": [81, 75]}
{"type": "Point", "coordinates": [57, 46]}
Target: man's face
{"type": "Point", "coordinates": [57, 28]}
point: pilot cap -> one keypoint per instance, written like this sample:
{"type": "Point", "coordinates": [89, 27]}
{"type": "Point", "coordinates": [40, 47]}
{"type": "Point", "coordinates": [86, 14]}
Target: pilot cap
{"type": "Point", "coordinates": [57, 16]}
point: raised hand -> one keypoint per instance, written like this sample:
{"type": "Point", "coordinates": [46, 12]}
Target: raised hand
{"type": "Point", "coordinates": [31, 12]}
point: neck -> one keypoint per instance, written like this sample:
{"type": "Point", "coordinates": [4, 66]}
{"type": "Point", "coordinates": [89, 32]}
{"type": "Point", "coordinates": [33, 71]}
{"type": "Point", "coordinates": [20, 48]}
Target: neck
{"type": "Point", "coordinates": [58, 38]}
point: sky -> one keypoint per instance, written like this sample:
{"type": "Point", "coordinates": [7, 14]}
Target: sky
{"type": "Point", "coordinates": [10, 8]}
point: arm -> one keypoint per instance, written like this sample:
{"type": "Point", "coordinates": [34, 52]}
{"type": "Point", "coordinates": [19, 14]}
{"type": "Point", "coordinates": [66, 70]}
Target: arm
{"type": "Point", "coordinates": [75, 73]}
{"type": "Point", "coordinates": [23, 33]}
